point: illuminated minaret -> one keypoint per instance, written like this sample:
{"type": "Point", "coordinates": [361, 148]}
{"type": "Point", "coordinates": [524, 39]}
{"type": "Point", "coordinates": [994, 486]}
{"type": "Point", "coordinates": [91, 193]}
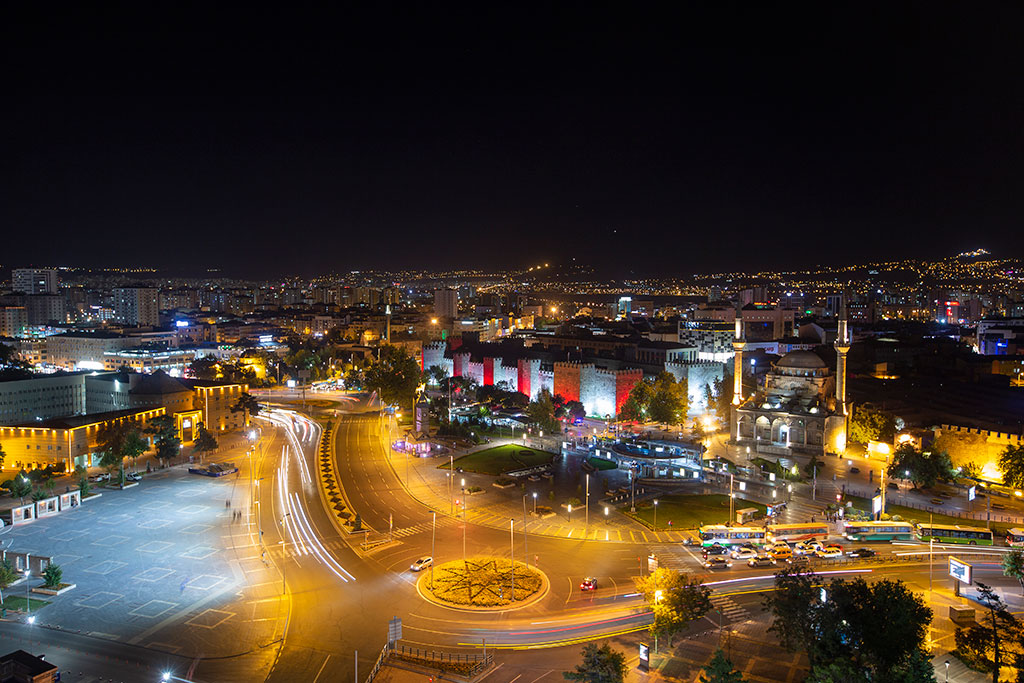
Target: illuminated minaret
{"type": "Point", "coordinates": [738, 342]}
{"type": "Point", "coordinates": [842, 347]}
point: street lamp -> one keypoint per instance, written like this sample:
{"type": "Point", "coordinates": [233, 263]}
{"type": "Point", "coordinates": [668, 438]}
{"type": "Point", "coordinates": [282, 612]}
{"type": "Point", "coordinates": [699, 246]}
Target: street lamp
{"type": "Point", "coordinates": [570, 513]}
{"type": "Point", "coordinates": [655, 514]}
{"type": "Point", "coordinates": [535, 502]}
{"type": "Point", "coordinates": [28, 600]}
{"type": "Point", "coordinates": [284, 562]}
{"type": "Point", "coordinates": [947, 670]}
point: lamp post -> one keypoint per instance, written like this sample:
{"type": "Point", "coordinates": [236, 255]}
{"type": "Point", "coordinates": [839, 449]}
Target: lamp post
{"type": "Point", "coordinates": [732, 499]}
{"type": "Point", "coordinates": [535, 502]}
{"type": "Point", "coordinates": [632, 491]}
{"type": "Point", "coordinates": [451, 478]}
{"type": "Point", "coordinates": [947, 670]}
{"type": "Point", "coordinates": [512, 554]}
{"type": "Point", "coordinates": [655, 514]}
{"type": "Point", "coordinates": [284, 562]}
{"type": "Point", "coordinates": [570, 513]}
{"type": "Point", "coordinates": [433, 535]}
{"type": "Point", "coordinates": [28, 600]}
{"type": "Point", "coordinates": [526, 547]}
{"type": "Point", "coordinates": [463, 485]}
{"type": "Point", "coordinates": [586, 519]}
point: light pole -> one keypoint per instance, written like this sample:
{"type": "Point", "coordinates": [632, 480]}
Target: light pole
{"type": "Point", "coordinates": [464, 525]}
{"type": "Point", "coordinates": [28, 600]}
{"type": "Point", "coordinates": [512, 554]}
{"type": "Point", "coordinates": [451, 481]}
{"type": "Point", "coordinates": [284, 562]}
{"type": "Point", "coordinates": [947, 670]}
{"type": "Point", "coordinates": [433, 535]}
{"type": "Point", "coordinates": [931, 549]}
{"type": "Point", "coordinates": [732, 499]}
{"type": "Point", "coordinates": [632, 491]}
{"type": "Point", "coordinates": [586, 519]}
{"type": "Point", "coordinates": [463, 484]}
{"type": "Point", "coordinates": [526, 546]}
{"type": "Point", "coordinates": [570, 513]}
{"type": "Point", "coordinates": [655, 514]}
{"type": "Point", "coordinates": [535, 502]}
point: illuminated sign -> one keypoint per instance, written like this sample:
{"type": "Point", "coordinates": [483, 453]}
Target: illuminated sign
{"type": "Point", "coordinates": [972, 493]}
{"type": "Point", "coordinates": [960, 570]}
{"type": "Point", "coordinates": [185, 424]}
{"type": "Point", "coordinates": [645, 656]}
{"type": "Point", "coordinates": [181, 323]}
{"type": "Point", "coordinates": [876, 504]}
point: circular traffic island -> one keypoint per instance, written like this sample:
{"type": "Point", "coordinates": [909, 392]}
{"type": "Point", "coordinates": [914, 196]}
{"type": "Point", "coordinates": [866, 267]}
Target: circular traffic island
{"type": "Point", "coordinates": [482, 583]}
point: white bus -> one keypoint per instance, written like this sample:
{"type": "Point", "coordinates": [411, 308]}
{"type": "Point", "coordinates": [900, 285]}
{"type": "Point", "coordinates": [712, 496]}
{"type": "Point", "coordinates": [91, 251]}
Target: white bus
{"type": "Point", "coordinates": [720, 534]}
{"type": "Point", "coordinates": [791, 533]}
{"type": "Point", "coordinates": [1015, 537]}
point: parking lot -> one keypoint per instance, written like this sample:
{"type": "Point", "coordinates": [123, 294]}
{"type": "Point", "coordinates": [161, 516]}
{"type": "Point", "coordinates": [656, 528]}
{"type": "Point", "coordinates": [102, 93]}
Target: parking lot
{"type": "Point", "coordinates": [169, 564]}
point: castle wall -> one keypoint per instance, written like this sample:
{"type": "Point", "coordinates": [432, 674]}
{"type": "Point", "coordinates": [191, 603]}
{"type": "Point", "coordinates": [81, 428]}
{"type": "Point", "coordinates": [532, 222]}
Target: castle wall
{"type": "Point", "coordinates": [567, 380]}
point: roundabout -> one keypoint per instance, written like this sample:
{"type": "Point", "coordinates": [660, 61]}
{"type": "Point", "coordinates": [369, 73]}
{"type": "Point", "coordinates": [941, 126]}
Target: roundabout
{"type": "Point", "coordinates": [482, 584]}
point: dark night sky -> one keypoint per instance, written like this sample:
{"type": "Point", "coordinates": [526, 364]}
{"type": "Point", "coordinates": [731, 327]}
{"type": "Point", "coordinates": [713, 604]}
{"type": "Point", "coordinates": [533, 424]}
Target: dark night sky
{"type": "Point", "coordinates": [731, 137]}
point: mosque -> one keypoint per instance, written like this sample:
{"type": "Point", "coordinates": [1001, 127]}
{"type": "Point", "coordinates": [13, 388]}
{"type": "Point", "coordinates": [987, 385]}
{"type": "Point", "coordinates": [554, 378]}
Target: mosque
{"type": "Point", "coordinates": [802, 406]}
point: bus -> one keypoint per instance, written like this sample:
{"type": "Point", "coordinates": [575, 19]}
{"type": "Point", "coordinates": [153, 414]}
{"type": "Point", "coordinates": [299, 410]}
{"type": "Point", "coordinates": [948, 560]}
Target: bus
{"type": "Point", "coordinates": [954, 533]}
{"type": "Point", "coordinates": [879, 531]}
{"type": "Point", "coordinates": [720, 534]}
{"type": "Point", "coordinates": [1015, 537]}
{"type": "Point", "coordinates": [791, 533]}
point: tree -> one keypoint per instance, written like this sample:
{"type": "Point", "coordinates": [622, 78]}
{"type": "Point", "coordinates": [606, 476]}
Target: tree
{"type": "Point", "coordinates": [248, 404]}
{"type": "Point", "coordinates": [676, 600]}
{"type": "Point", "coordinates": [868, 423]}
{"type": "Point", "coordinates": [165, 434]}
{"type": "Point", "coordinates": [638, 402]}
{"type": "Point", "coordinates": [718, 396]}
{"type": "Point", "coordinates": [922, 468]}
{"type": "Point", "coordinates": [52, 575]}
{"type": "Point", "coordinates": [670, 401]}
{"type": "Point", "coordinates": [859, 631]}
{"type": "Point", "coordinates": [120, 440]}
{"type": "Point", "coordinates": [600, 665]}
{"type": "Point", "coordinates": [1013, 565]}
{"type": "Point", "coordinates": [1011, 464]}
{"type": "Point", "coordinates": [18, 486]}
{"type": "Point", "coordinates": [719, 670]}
{"type": "Point", "coordinates": [995, 640]}
{"type": "Point", "coordinates": [542, 412]}
{"type": "Point", "coordinates": [8, 575]}
{"type": "Point", "coordinates": [2, 456]}
{"type": "Point", "coordinates": [394, 376]}
{"type": "Point", "coordinates": [205, 442]}
{"type": "Point", "coordinates": [83, 480]}
{"type": "Point", "coordinates": [573, 410]}
{"type": "Point", "coordinates": [436, 375]}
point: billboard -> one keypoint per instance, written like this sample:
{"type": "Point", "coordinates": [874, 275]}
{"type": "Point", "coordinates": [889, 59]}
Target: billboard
{"type": "Point", "coordinates": [960, 570]}
{"type": "Point", "coordinates": [972, 493]}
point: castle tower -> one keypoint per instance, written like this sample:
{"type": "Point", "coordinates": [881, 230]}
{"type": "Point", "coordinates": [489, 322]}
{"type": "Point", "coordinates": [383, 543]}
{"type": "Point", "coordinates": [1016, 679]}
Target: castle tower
{"type": "Point", "coordinates": [842, 346]}
{"type": "Point", "coordinates": [738, 343]}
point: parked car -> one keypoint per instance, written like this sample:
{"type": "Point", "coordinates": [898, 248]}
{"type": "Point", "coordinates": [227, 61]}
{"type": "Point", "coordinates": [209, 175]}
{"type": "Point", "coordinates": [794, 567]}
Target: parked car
{"type": "Point", "coordinates": [829, 553]}
{"type": "Point", "coordinates": [133, 476]}
{"type": "Point", "coordinates": [421, 564]}
{"type": "Point", "coordinates": [762, 561]}
{"type": "Point", "coordinates": [892, 485]}
{"type": "Point", "coordinates": [855, 470]}
{"type": "Point", "coordinates": [102, 476]}
{"type": "Point", "coordinates": [834, 545]}
{"type": "Point", "coordinates": [862, 552]}
{"type": "Point", "coordinates": [588, 584]}
{"type": "Point", "coordinates": [717, 562]}
{"type": "Point", "coordinates": [743, 553]}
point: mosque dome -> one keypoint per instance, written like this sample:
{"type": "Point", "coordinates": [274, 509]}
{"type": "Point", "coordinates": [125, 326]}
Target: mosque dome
{"type": "Point", "coordinates": [801, 360]}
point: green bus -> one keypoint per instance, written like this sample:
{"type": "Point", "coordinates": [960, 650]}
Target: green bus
{"type": "Point", "coordinates": [879, 531]}
{"type": "Point", "coordinates": [954, 533]}
{"type": "Point", "coordinates": [720, 534]}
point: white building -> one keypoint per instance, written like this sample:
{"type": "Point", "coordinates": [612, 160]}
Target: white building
{"type": "Point", "coordinates": [42, 397]}
{"type": "Point", "coordinates": [446, 303]}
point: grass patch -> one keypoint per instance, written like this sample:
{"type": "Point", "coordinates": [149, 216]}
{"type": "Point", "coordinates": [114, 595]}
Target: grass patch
{"type": "Point", "coordinates": [689, 511]}
{"type": "Point", "coordinates": [602, 464]}
{"type": "Point", "coordinates": [482, 582]}
{"type": "Point", "coordinates": [501, 459]}
{"type": "Point", "coordinates": [17, 602]}
{"type": "Point", "coordinates": [315, 403]}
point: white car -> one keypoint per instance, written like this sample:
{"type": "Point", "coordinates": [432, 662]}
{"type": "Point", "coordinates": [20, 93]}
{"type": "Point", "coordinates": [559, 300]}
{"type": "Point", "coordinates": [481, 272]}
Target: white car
{"type": "Point", "coordinates": [102, 476]}
{"type": "Point", "coordinates": [807, 547]}
{"type": "Point", "coordinates": [133, 476]}
{"type": "Point", "coordinates": [421, 564]}
{"type": "Point", "coordinates": [744, 553]}
{"type": "Point", "coordinates": [828, 553]}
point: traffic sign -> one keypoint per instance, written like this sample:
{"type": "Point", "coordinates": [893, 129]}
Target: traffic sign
{"type": "Point", "coordinates": [394, 630]}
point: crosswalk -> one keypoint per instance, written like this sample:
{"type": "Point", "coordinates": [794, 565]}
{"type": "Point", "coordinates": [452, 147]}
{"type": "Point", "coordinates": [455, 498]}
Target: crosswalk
{"type": "Point", "coordinates": [442, 521]}
{"type": "Point", "coordinates": [673, 557]}
{"type": "Point", "coordinates": [732, 612]}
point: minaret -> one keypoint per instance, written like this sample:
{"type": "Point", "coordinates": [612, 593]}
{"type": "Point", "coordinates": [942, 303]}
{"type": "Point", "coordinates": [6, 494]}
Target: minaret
{"type": "Point", "coordinates": [738, 342]}
{"type": "Point", "coordinates": [842, 346]}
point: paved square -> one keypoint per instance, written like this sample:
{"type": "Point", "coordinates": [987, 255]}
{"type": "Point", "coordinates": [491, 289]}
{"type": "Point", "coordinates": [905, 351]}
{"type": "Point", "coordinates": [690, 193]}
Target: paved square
{"type": "Point", "coordinates": [153, 574]}
{"type": "Point", "coordinates": [196, 529]}
{"type": "Point", "coordinates": [154, 523]}
{"type": "Point", "coordinates": [199, 552]}
{"type": "Point", "coordinates": [106, 567]}
{"type": "Point", "coordinates": [190, 492]}
{"type": "Point", "coordinates": [115, 520]}
{"type": "Point", "coordinates": [156, 505]}
{"type": "Point", "coordinates": [205, 582]}
{"type": "Point", "coordinates": [70, 535]}
{"type": "Point", "coordinates": [192, 509]}
{"type": "Point", "coordinates": [153, 608]}
{"type": "Point", "coordinates": [211, 618]}
{"type": "Point", "coordinates": [65, 560]}
{"type": "Point", "coordinates": [97, 600]}
{"type": "Point", "coordinates": [111, 540]}
{"type": "Point", "coordinates": [154, 547]}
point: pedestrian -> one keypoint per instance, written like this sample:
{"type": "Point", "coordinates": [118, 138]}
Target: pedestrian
{"type": "Point", "coordinates": [227, 503]}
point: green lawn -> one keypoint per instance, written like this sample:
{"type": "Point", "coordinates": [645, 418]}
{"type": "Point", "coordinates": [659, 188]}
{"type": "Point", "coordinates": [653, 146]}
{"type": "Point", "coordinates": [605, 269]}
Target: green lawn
{"type": "Point", "coordinates": [687, 512]}
{"type": "Point", "coordinates": [17, 602]}
{"type": "Point", "coordinates": [915, 515]}
{"type": "Point", "coordinates": [602, 464]}
{"type": "Point", "coordinates": [501, 459]}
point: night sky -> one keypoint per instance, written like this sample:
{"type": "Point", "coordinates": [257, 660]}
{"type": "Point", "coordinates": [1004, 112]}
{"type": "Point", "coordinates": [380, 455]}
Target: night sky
{"type": "Point", "coordinates": [501, 135]}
